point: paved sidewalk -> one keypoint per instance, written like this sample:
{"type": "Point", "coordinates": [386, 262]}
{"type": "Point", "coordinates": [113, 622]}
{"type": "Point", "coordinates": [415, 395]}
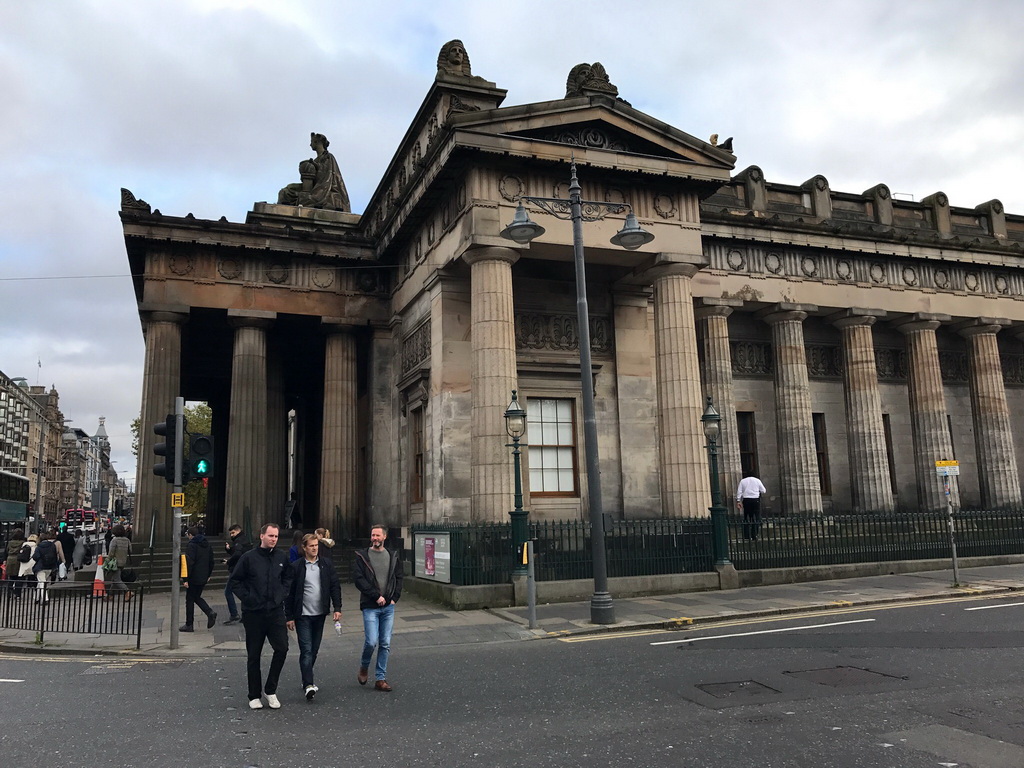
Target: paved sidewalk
{"type": "Point", "coordinates": [420, 623]}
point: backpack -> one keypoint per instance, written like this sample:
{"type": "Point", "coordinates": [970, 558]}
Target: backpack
{"type": "Point", "coordinates": [46, 555]}
{"type": "Point", "coordinates": [25, 554]}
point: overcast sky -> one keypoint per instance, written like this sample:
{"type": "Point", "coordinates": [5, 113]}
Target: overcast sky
{"type": "Point", "coordinates": [206, 107]}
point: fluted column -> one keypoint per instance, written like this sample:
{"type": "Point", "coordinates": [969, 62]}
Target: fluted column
{"type": "Point", "coordinates": [339, 452]}
{"type": "Point", "coordinates": [277, 432]}
{"type": "Point", "coordinates": [494, 378]}
{"type": "Point", "coordinates": [685, 484]}
{"type": "Point", "coordinates": [798, 461]}
{"type": "Point", "coordinates": [997, 459]}
{"type": "Point", "coordinates": [869, 464]}
{"type": "Point", "coordinates": [161, 383]}
{"type": "Point", "coordinates": [247, 422]}
{"type": "Point", "coordinates": [928, 419]}
{"type": "Point", "coordinates": [713, 322]}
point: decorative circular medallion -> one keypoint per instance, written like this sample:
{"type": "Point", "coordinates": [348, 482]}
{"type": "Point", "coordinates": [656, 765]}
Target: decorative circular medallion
{"type": "Point", "coordinates": [877, 272]}
{"type": "Point", "coordinates": [229, 269]}
{"type": "Point", "coordinates": [366, 279]}
{"type": "Point", "coordinates": [773, 263]}
{"type": "Point", "coordinates": [820, 183]}
{"type": "Point", "coordinates": [561, 190]}
{"type": "Point", "coordinates": [460, 197]}
{"type": "Point", "coordinates": [971, 281]}
{"type": "Point", "coordinates": [997, 207]}
{"type": "Point", "coordinates": [910, 276]}
{"type": "Point", "coordinates": [614, 195]}
{"type": "Point", "coordinates": [277, 273]}
{"type": "Point", "coordinates": [883, 192]}
{"type": "Point", "coordinates": [942, 278]}
{"type": "Point", "coordinates": [511, 188]}
{"type": "Point", "coordinates": [844, 269]}
{"type": "Point", "coordinates": [665, 205]}
{"type": "Point", "coordinates": [1001, 285]}
{"type": "Point", "coordinates": [323, 277]}
{"type": "Point", "coordinates": [181, 264]}
{"type": "Point", "coordinates": [735, 260]}
{"type": "Point", "coordinates": [808, 266]}
{"type": "Point", "coordinates": [941, 200]}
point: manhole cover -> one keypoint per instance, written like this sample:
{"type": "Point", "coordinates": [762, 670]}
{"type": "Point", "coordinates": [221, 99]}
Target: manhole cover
{"type": "Point", "coordinates": [741, 689]}
{"type": "Point", "coordinates": [842, 677]}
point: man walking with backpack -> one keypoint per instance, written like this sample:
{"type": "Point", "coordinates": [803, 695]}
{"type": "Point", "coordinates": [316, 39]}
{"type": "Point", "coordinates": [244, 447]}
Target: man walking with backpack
{"type": "Point", "coordinates": [46, 558]}
{"type": "Point", "coordinates": [199, 557]}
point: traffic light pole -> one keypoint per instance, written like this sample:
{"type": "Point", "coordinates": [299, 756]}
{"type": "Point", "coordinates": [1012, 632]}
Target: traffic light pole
{"type": "Point", "coordinates": [179, 463]}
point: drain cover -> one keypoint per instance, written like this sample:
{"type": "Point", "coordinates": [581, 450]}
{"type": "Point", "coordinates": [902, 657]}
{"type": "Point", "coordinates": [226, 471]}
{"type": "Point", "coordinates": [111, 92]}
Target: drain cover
{"type": "Point", "coordinates": [741, 689]}
{"type": "Point", "coordinates": [842, 677]}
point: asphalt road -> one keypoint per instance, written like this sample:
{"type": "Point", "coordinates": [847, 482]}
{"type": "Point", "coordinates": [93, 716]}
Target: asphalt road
{"type": "Point", "coordinates": [912, 686]}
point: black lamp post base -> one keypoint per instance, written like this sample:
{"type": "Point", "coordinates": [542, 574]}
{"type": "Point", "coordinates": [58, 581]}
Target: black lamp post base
{"type": "Point", "coordinates": [602, 610]}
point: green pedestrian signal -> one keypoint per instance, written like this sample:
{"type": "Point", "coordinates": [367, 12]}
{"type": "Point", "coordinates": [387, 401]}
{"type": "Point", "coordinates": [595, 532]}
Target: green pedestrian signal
{"type": "Point", "coordinates": [201, 456]}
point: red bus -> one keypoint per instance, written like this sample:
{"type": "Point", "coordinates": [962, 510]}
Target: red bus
{"type": "Point", "coordinates": [81, 519]}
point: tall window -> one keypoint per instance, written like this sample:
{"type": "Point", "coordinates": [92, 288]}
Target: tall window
{"type": "Point", "coordinates": [416, 480]}
{"type": "Point", "coordinates": [551, 435]}
{"type": "Point", "coordinates": [821, 448]}
{"type": "Point", "coordinates": [748, 443]}
{"type": "Point", "coordinates": [889, 453]}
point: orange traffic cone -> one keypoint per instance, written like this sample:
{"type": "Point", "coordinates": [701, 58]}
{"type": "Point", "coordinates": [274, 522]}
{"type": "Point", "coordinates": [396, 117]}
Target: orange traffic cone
{"type": "Point", "coordinates": [98, 587]}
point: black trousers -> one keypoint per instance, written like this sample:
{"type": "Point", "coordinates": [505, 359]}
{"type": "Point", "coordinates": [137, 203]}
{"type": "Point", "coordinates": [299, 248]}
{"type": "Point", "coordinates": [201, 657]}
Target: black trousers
{"type": "Point", "coordinates": [194, 597]}
{"type": "Point", "coordinates": [751, 518]}
{"type": "Point", "coordinates": [261, 626]}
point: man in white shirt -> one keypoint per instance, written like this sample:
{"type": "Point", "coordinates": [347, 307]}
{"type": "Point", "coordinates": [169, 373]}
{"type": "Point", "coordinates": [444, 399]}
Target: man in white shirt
{"type": "Point", "coordinates": [748, 498]}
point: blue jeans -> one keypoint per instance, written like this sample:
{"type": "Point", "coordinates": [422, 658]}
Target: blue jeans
{"type": "Point", "coordinates": [309, 630]}
{"type": "Point", "coordinates": [230, 597]}
{"type": "Point", "coordinates": [377, 624]}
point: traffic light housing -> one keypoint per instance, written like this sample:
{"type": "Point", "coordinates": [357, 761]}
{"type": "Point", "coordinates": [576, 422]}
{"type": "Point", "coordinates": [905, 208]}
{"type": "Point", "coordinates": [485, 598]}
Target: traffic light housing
{"type": "Point", "coordinates": [200, 462]}
{"type": "Point", "coordinates": [168, 449]}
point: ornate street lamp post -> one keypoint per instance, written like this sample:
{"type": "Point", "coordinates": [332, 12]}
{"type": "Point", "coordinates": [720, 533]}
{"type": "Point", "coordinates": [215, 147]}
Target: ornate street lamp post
{"type": "Point", "coordinates": [522, 230]}
{"type": "Point", "coordinates": [515, 425]}
{"type": "Point", "coordinates": [712, 423]}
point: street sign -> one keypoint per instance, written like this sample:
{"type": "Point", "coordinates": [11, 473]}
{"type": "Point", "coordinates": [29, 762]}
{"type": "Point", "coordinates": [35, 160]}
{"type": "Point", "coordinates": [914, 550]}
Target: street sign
{"type": "Point", "coordinates": [947, 468]}
{"type": "Point", "coordinates": [947, 463]}
{"type": "Point", "coordinates": [177, 499]}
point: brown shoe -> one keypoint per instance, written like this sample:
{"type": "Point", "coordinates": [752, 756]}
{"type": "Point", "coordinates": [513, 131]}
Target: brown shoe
{"type": "Point", "coordinates": [382, 685]}
{"type": "Point", "coordinates": [363, 676]}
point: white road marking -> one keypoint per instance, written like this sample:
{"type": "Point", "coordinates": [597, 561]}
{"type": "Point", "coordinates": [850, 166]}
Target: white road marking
{"type": "Point", "coordinates": [10, 680]}
{"type": "Point", "coordinates": [986, 607]}
{"type": "Point", "coordinates": [762, 632]}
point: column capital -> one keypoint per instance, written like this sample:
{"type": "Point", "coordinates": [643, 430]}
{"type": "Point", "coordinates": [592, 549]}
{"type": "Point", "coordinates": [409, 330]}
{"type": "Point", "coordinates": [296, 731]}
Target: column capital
{"type": "Point", "coordinates": [978, 326]}
{"type": "Point", "coordinates": [163, 316]}
{"type": "Point", "coordinates": [855, 316]}
{"type": "Point", "coordinates": [491, 253]}
{"type": "Point", "coordinates": [706, 308]}
{"type": "Point", "coordinates": [667, 264]}
{"type": "Point", "coordinates": [251, 318]}
{"type": "Point", "coordinates": [920, 321]}
{"type": "Point", "coordinates": [329, 325]}
{"type": "Point", "coordinates": [786, 311]}
{"type": "Point", "coordinates": [633, 297]}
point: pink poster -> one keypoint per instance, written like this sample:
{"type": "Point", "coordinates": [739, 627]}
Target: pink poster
{"type": "Point", "coordinates": [428, 555]}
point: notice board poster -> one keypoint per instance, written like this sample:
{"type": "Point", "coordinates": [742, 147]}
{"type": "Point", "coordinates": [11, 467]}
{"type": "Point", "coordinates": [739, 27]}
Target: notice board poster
{"type": "Point", "coordinates": [432, 556]}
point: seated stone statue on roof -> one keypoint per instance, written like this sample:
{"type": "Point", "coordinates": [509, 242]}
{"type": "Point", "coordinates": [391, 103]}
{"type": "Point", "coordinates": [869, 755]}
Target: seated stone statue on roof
{"type": "Point", "coordinates": [321, 185]}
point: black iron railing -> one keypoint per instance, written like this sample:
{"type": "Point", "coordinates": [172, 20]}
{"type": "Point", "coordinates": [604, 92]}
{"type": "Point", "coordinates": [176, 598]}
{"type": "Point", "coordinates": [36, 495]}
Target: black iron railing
{"type": "Point", "coordinates": [70, 607]}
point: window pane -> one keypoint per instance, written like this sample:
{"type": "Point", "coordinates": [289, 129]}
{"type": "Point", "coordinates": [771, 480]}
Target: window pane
{"type": "Point", "coordinates": [547, 410]}
{"type": "Point", "coordinates": [549, 435]}
{"type": "Point", "coordinates": [565, 480]}
{"type": "Point", "coordinates": [550, 479]}
{"type": "Point", "coordinates": [564, 410]}
{"type": "Point", "coordinates": [565, 434]}
{"type": "Point", "coordinates": [563, 460]}
{"type": "Point", "coordinates": [536, 481]}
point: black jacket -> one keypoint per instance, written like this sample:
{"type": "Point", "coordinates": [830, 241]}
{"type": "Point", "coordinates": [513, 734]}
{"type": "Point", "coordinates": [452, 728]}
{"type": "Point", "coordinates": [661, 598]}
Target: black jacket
{"type": "Point", "coordinates": [199, 556]}
{"type": "Point", "coordinates": [237, 546]}
{"type": "Point", "coordinates": [261, 579]}
{"type": "Point", "coordinates": [366, 580]}
{"type": "Point", "coordinates": [330, 586]}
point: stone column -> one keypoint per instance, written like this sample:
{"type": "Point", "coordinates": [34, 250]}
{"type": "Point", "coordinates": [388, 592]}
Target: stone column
{"type": "Point", "coordinates": [798, 461]}
{"type": "Point", "coordinates": [494, 378]}
{"type": "Point", "coordinates": [277, 432]}
{"type": "Point", "coordinates": [927, 409]}
{"type": "Point", "coordinates": [339, 452]}
{"type": "Point", "coordinates": [685, 484]}
{"type": "Point", "coordinates": [161, 383]}
{"type": "Point", "coordinates": [869, 463]}
{"type": "Point", "coordinates": [997, 459]}
{"type": "Point", "coordinates": [713, 321]}
{"type": "Point", "coordinates": [247, 422]}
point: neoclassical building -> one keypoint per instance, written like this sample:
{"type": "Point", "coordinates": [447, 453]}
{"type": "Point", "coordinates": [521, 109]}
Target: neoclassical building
{"type": "Point", "coordinates": [364, 361]}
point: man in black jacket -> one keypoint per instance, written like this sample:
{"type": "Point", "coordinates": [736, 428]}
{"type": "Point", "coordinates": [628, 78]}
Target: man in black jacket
{"type": "Point", "coordinates": [261, 580]}
{"type": "Point", "coordinates": [236, 546]}
{"type": "Point", "coordinates": [199, 559]}
{"type": "Point", "coordinates": [378, 577]}
{"type": "Point", "coordinates": [315, 587]}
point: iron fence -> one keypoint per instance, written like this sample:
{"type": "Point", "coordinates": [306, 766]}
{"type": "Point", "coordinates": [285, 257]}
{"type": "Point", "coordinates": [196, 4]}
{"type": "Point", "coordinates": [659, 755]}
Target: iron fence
{"type": "Point", "coordinates": [70, 607]}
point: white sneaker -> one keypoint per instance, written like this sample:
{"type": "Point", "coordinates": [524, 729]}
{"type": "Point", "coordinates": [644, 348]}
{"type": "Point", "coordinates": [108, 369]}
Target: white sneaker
{"type": "Point", "coordinates": [311, 692]}
{"type": "Point", "coordinates": [255, 704]}
{"type": "Point", "coordinates": [272, 701]}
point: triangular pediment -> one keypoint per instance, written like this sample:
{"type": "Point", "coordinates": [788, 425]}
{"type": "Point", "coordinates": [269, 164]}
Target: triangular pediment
{"type": "Point", "coordinates": [596, 123]}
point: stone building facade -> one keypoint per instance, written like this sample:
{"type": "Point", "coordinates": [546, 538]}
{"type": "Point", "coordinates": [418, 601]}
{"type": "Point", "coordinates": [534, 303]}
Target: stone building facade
{"type": "Point", "coordinates": [849, 340]}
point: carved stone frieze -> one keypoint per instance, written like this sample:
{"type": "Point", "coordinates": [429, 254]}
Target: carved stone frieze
{"type": "Point", "coordinates": [130, 202]}
{"type": "Point", "coordinates": [511, 188]}
{"type": "Point", "coordinates": [416, 347]}
{"type": "Point", "coordinates": [1013, 370]}
{"type": "Point", "coordinates": [751, 358]}
{"type": "Point", "coordinates": [891, 363]}
{"type": "Point", "coordinates": [824, 361]}
{"type": "Point", "coordinates": [181, 264]}
{"type": "Point", "coordinates": [560, 332]}
{"type": "Point", "coordinates": [590, 137]}
{"type": "Point", "coordinates": [278, 274]}
{"type": "Point", "coordinates": [323, 277]}
{"type": "Point", "coordinates": [665, 206]}
{"type": "Point", "coordinates": [954, 366]}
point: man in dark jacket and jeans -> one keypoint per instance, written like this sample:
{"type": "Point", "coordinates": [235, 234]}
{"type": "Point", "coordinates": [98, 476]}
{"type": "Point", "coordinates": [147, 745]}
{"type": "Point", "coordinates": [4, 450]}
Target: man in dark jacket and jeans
{"type": "Point", "coordinates": [236, 546]}
{"type": "Point", "coordinates": [199, 558]}
{"type": "Point", "coordinates": [378, 577]}
{"type": "Point", "coordinates": [315, 587]}
{"type": "Point", "coordinates": [261, 581]}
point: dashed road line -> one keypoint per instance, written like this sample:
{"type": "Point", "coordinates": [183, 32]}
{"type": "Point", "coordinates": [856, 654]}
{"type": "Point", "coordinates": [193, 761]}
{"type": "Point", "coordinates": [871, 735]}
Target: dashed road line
{"type": "Point", "coordinates": [763, 632]}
